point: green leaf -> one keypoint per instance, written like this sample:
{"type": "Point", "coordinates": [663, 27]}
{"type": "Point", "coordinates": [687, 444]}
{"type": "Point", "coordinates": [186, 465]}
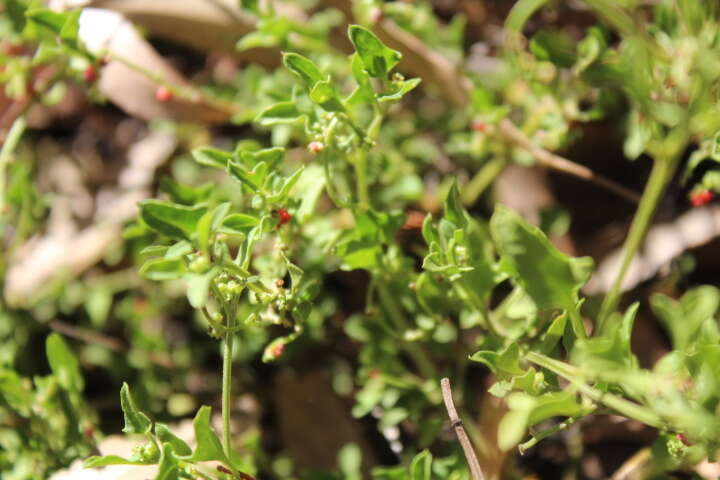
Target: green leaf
{"type": "Point", "coordinates": [171, 219]}
{"type": "Point", "coordinates": [550, 278]}
{"type": "Point", "coordinates": [402, 89]}
{"type": "Point", "coordinates": [504, 364]}
{"type": "Point", "coordinates": [377, 58]}
{"type": "Point", "coordinates": [135, 420]}
{"type": "Point", "coordinates": [421, 466]}
{"type": "Point", "coordinates": [69, 30]}
{"type": "Point", "coordinates": [53, 21]}
{"type": "Point", "coordinates": [238, 223]}
{"type": "Point", "coordinates": [281, 195]}
{"type": "Point", "coordinates": [527, 410]}
{"type": "Point", "coordinates": [252, 6]}
{"type": "Point", "coordinates": [209, 223]}
{"type": "Point", "coordinates": [15, 393]}
{"type": "Point", "coordinates": [683, 319]}
{"type": "Point", "coordinates": [251, 178]}
{"type": "Point", "coordinates": [364, 92]}
{"type": "Point", "coordinates": [350, 461]}
{"type": "Point", "coordinates": [198, 286]}
{"type": "Point", "coordinates": [185, 194]}
{"type": "Point", "coordinates": [454, 211]}
{"type": "Point", "coordinates": [168, 467]}
{"type": "Point", "coordinates": [325, 95]}
{"type": "Point", "coordinates": [208, 445]}
{"type": "Point", "coordinates": [104, 461]}
{"type": "Point", "coordinates": [159, 269]}
{"type": "Point", "coordinates": [63, 363]}
{"type": "Point", "coordinates": [163, 433]}
{"type": "Point", "coordinates": [304, 68]}
{"type": "Point", "coordinates": [278, 114]}
{"type": "Point", "coordinates": [212, 157]}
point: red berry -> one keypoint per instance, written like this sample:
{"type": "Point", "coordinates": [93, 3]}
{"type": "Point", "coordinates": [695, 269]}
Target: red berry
{"type": "Point", "coordinates": [163, 94]}
{"type": "Point", "coordinates": [316, 147]}
{"type": "Point", "coordinates": [701, 197]}
{"type": "Point", "coordinates": [683, 438]}
{"type": "Point", "coordinates": [90, 74]}
{"type": "Point", "coordinates": [278, 350]}
{"type": "Point", "coordinates": [479, 126]}
{"type": "Point", "coordinates": [283, 216]}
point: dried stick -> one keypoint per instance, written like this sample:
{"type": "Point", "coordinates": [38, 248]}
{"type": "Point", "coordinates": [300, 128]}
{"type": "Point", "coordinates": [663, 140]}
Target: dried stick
{"type": "Point", "coordinates": [475, 470]}
{"type": "Point", "coordinates": [561, 164]}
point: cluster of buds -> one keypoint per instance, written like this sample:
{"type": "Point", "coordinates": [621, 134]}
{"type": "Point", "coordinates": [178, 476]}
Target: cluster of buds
{"type": "Point", "coordinates": [199, 264]}
{"type": "Point", "coordinates": [229, 287]}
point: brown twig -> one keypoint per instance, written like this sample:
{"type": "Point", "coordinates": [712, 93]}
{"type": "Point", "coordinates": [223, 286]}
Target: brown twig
{"type": "Point", "coordinates": [561, 164]}
{"type": "Point", "coordinates": [475, 470]}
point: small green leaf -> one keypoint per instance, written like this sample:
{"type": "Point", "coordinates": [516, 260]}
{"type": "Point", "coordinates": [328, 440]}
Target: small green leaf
{"type": "Point", "coordinates": [454, 211]}
{"type": "Point", "coordinates": [504, 364]}
{"type": "Point", "coordinates": [281, 195]}
{"type": "Point", "coordinates": [252, 6]}
{"type": "Point", "coordinates": [53, 21]}
{"type": "Point", "coordinates": [238, 223]}
{"type": "Point", "coordinates": [325, 95]}
{"type": "Point", "coordinates": [198, 286]}
{"type": "Point", "coordinates": [212, 157]}
{"type": "Point", "coordinates": [168, 467]}
{"type": "Point", "coordinates": [135, 420]}
{"type": "Point", "coordinates": [209, 223]}
{"type": "Point", "coordinates": [402, 89]}
{"type": "Point", "coordinates": [377, 58]}
{"type": "Point", "coordinates": [69, 30]}
{"type": "Point", "coordinates": [421, 466]}
{"type": "Point", "coordinates": [364, 92]}
{"type": "Point", "coordinates": [171, 219]}
{"type": "Point", "coordinates": [304, 68]}
{"type": "Point", "coordinates": [159, 269]}
{"type": "Point", "coordinates": [278, 114]}
{"type": "Point", "coordinates": [104, 461]}
{"type": "Point", "coordinates": [550, 278]}
{"type": "Point", "coordinates": [251, 178]}
{"type": "Point", "coordinates": [163, 433]}
{"type": "Point", "coordinates": [14, 393]}
{"type": "Point", "coordinates": [63, 363]}
{"type": "Point", "coordinates": [208, 445]}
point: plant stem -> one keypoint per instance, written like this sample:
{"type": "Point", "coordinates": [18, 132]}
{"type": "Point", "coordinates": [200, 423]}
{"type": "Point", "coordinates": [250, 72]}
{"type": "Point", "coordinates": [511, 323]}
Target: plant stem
{"type": "Point", "coordinates": [11, 142]}
{"type": "Point", "coordinates": [575, 376]}
{"type": "Point", "coordinates": [484, 177]}
{"type": "Point", "coordinates": [226, 389]}
{"type": "Point", "coordinates": [662, 172]}
{"type": "Point", "coordinates": [523, 447]}
{"type": "Point", "coordinates": [360, 164]}
{"type": "Point", "coordinates": [419, 356]}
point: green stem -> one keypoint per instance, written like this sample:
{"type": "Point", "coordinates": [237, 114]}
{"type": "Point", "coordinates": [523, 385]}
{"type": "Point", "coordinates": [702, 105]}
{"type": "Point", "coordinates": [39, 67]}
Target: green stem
{"type": "Point", "coordinates": [226, 390]}
{"type": "Point", "coordinates": [360, 164]}
{"type": "Point", "coordinates": [523, 447]}
{"type": "Point", "coordinates": [482, 179]}
{"type": "Point", "coordinates": [419, 356]}
{"type": "Point", "coordinates": [662, 172]}
{"type": "Point", "coordinates": [575, 376]}
{"type": "Point", "coordinates": [11, 142]}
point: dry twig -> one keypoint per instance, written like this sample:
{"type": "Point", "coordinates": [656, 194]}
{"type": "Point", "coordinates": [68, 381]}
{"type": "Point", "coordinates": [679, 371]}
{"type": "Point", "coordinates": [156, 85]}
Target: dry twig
{"type": "Point", "coordinates": [475, 470]}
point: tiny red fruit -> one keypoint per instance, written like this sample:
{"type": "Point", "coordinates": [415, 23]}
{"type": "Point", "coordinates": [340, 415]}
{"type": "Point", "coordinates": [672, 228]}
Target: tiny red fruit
{"type": "Point", "coordinates": [316, 147]}
{"type": "Point", "coordinates": [90, 74]}
{"type": "Point", "coordinates": [283, 216]}
{"type": "Point", "coordinates": [683, 438]}
{"type": "Point", "coordinates": [163, 94]}
{"type": "Point", "coordinates": [480, 126]}
{"type": "Point", "coordinates": [701, 197]}
{"type": "Point", "coordinates": [278, 350]}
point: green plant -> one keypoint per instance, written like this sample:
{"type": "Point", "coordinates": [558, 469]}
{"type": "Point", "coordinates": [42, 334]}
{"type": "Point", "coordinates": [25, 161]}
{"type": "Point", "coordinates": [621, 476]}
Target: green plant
{"type": "Point", "coordinates": [356, 160]}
